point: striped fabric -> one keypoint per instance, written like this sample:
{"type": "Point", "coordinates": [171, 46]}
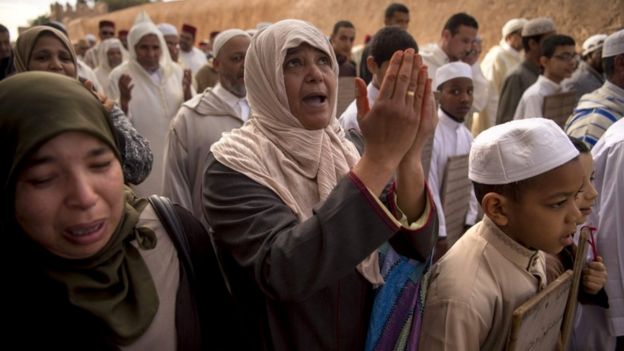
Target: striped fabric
{"type": "Point", "coordinates": [596, 112]}
{"type": "Point", "coordinates": [397, 310]}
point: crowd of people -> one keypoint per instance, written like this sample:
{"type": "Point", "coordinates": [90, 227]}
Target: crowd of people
{"type": "Point", "coordinates": [165, 194]}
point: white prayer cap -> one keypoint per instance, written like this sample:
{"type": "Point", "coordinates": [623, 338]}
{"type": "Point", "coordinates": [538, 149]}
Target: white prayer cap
{"type": "Point", "coordinates": [167, 29]}
{"type": "Point", "coordinates": [452, 70]}
{"type": "Point", "coordinates": [224, 37]}
{"type": "Point", "coordinates": [518, 150]}
{"type": "Point", "coordinates": [90, 37]}
{"type": "Point", "coordinates": [593, 43]}
{"type": "Point", "coordinates": [513, 25]}
{"type": "Point", "coordinates": [614, 44]}
{"type": "Point", "coordinates": [538, 26]}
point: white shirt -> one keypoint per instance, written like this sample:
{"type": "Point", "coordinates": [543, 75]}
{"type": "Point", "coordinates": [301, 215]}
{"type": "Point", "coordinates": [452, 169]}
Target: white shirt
{"type": "Point", "coordinates": [239, 104]}
{"type": "Point", "coordinates": [451, 138]}
{"type": "Point", "coordinates": [434, 57]}
{"type": "Point", "coordinates": [193, 60]}
{"type": "Point", "coordinates": [532, 101]}
{"type": "Point", "coordinates": [608, 155]}
{"type": "Point", "coordinates": [348, 119]}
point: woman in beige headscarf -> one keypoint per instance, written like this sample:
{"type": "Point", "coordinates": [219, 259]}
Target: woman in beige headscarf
{"type": "Point", "coordinates": [43, 48]}
{"type": "Point", "coordinates": [294, 208]}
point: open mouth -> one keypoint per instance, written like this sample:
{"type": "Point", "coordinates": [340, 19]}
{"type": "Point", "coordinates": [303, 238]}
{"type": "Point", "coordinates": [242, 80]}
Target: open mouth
{"type": "Point", "coordinates": [83, 230]}
{"type": "Point", "coordinates": [315, 99]}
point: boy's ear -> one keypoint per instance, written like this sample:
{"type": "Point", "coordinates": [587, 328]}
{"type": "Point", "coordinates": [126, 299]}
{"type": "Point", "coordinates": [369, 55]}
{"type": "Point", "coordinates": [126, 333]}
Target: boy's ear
{"type": "Point", "coordinates": [371, 65]}
{"type": "Point", "coordinates": [544, 61]}
{"type": "Point", "coordinates": [496, 207]}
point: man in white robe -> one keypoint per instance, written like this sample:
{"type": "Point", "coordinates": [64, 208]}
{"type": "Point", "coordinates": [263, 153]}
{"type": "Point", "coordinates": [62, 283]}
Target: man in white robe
{"type": "Point", "coordinates": [507, 55]}
{"type": "Point", "coordinates": [190, 56]}
{"type": "Point", "coordinates": [454, 84]}
{"type": "Point", "coordinates": [458, 34]}
{"type": "Point", "coordinates": [150, 89]}
{"type": "Point", "coordinates": [201, 121]}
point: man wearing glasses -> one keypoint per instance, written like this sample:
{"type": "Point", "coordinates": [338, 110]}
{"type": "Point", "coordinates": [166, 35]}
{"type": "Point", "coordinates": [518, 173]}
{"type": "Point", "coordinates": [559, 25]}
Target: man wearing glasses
{"type": "Point", "coordinates": [559, 60]}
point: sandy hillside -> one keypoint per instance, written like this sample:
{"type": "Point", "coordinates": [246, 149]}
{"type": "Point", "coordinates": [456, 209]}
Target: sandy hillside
{"type": "Point", "coordinates": [579, 18]}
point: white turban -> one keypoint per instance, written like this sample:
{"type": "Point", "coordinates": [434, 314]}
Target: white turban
{"type": "Point", "coordinates": [224, 37]}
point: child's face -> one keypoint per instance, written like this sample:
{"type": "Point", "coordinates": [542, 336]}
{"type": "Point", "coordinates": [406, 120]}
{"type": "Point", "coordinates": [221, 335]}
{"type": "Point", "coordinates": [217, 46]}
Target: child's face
{"type": "Point", "coordinates": [562, 64]}
{"type": "Point", "coordinates": [585, 198]}
{"type": "Point", "coordinates": [456, 97]}
{"type": "Point", "coordinates": [545, 217]}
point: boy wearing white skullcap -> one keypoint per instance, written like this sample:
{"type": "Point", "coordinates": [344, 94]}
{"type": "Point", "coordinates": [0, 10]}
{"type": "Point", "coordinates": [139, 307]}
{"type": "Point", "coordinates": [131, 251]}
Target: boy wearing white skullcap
{"type": "Point", "coordinates": [454, 85]}
{"type": "Point", "coordinates": [588, 76]}
{"type": "Point", "coordinates": [506, 56]}
{"type": "Point", "coordinates": [526, 175]}
{"type": "Point", "coordinates": [599, 109]}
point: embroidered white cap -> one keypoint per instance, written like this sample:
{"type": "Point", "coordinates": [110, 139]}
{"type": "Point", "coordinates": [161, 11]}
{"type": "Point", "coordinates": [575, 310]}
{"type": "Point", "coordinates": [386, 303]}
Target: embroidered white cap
{"type": "Point", "coordinates": [451, 70]}
{"type": "Point", "coordinates": [518, 150]}
{"type": "Point", "coordinates": [614, 44]}
{"type": "Point", "coordinates": [513, 25]}
{"type": "Point", "coordinates": [224, 37]}
{"type": "Point", "coordinates": [593, 43]}
{"type": "Point", "coordinates": [167, 29]}
{"type": "Point", "coordinates": [538, 26]}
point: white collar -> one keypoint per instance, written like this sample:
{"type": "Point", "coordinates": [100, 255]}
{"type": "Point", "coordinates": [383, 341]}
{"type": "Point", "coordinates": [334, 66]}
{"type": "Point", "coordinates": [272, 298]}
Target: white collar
{"type": "Point", "coordinates": [231, 99]}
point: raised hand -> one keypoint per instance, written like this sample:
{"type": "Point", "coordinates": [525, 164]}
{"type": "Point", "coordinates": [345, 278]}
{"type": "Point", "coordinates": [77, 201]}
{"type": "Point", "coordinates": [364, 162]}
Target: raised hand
{"type": "Point", "coordinates": [108, 103]}
{"type": "Point", "coordinates": [187, 80]}
{"type": "Point", "coordinates": [390, 127]}
{"type": "Point", "coordinates": [125, 91]}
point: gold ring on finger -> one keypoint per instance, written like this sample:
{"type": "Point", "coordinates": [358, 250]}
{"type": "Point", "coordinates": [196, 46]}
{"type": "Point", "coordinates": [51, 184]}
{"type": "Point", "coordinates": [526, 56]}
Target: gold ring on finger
{"type": "Point", "coordinates": [410, 93]}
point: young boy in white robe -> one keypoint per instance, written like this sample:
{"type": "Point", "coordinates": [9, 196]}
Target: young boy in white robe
{"type": "Point", "coordinates": [454, 85]}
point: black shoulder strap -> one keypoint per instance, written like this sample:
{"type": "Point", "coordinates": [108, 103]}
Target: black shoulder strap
{"type": "Point", "coordinates": [170, 220]}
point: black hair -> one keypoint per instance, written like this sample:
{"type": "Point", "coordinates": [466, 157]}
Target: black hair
{"type": "Point", "coordinates": [395, 7]}
{"type": "Point", "coordinates": [341, 24]}
{"type": "Point", "coordinates": [387, 41]}
{"type": "Point", "coordinates": [550, 44]}
{"type": "Point", "coordinates": [460, 19]}
{"type": "Point", "coordinates": [579, 145]}
{"type": "Point", "coordinates": [536, 38]}
{"type": "Point", "coordinates": [3, 29]}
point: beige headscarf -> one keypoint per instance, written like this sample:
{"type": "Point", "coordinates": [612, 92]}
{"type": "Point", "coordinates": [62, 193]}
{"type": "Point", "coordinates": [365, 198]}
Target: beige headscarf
{"type": "Point", "coordinates": [274, 149]}
{"type": "Point", "coordinates": [26, 43]}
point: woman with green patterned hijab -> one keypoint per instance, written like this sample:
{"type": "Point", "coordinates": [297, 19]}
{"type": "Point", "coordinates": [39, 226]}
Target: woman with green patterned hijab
{"type": "Point", "coordinates": [88, 265]}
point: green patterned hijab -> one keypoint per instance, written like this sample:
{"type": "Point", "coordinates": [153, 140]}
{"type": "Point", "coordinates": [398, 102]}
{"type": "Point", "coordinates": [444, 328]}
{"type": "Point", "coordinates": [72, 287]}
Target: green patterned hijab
{"type": "Point", "coordinates": [114, 285]}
